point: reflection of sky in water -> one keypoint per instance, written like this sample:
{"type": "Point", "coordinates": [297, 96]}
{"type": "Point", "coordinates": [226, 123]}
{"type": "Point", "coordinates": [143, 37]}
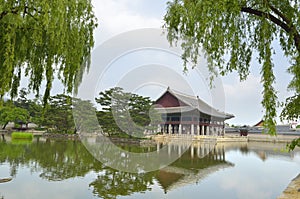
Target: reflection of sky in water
{"type": "Point", "coordinates": [254, 174]}
{"type": "Point", "coordinates": [28, 185]}
{"type": "Point", "coordinates": [250, 177]}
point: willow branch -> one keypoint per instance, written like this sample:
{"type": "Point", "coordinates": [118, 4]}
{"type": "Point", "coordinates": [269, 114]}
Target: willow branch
{"type": "Point", "coordinates": [285, 24]}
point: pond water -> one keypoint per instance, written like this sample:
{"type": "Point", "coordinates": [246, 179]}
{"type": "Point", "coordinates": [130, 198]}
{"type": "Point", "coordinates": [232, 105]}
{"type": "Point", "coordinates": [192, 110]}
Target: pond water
{"type": "Point", "coordinates": [65, 169]}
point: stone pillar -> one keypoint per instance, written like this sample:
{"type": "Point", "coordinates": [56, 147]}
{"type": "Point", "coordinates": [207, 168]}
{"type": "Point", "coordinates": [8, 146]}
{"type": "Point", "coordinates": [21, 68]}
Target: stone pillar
{"type": "Point", "coordinates": [202, 131]}
{"type": "Point", "coordinates": [198, 129]}
{"type": "Point", "coordinates": [192, 129]}
{"type": "Point", "coordinates": [207, 130]}
{"type": "Point", "coordinates": [158, 128]}
{"type": "Point", "coordinates": [170, 129]}
{"type": "Point", "coordinates": [180, 129]}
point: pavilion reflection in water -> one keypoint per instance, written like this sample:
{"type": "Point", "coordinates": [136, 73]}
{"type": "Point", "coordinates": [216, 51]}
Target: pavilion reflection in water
{"type": "Point", "coordinates": [198, 162]}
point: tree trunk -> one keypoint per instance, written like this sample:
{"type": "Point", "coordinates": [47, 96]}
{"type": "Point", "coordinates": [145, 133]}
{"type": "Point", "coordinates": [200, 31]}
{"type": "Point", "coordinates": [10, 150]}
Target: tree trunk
{"type": "Point", "coordinates": [4, 126]}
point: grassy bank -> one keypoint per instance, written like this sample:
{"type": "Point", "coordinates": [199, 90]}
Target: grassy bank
{"type": "Point", "coordinates": [21, 135]}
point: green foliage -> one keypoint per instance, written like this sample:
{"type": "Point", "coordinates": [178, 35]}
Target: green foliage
{"type": "Point", "coordinates": [56, 117]}
{"type": "Point", "coordinates": [58, 114]}
{"type": "Point", "coordinates": [291, 109]}
{"type": "Point", "coordinates": [55, 160]}
{"type": "Point", "coordinates": [293, 144]}
{"type": "Point", "coordinates": [229, 31]}
{"type": "Point", "coordinates": [10, 113]}
{"type": "Point", "coordinates": [21, 135]}
{"type": "Point", "coordinates": [21, 141]}
{"type": "Point", "coordinates": [123, 112]}
{"type": "Point", "coordinates": [111, 184]}
{"type": "Point", "coordinates": [84, 116]}
{"type": "Point", "coordinates": [65, 159]}
{"type": "Point", "coordinates": [44, 38]}
{"type": "Point", "coordinates": [33, 106]}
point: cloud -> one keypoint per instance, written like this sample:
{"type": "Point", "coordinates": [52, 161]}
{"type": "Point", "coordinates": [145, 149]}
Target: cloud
{"type": "Point", "coordinates": [243, 99]}
{"type": "Point", "coordinates": [117, 16]}
{"type": "Point", "coordinates": [246, 187]}
{"type": "Point", "coordinates": [246, 90]}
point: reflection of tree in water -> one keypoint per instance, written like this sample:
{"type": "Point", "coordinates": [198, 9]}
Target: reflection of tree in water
{"type": "Point", "coordinates": [13, 154]}
{"type": "Point", "coordinates": [63, 160]}
{"type": "Point", "coordinates": [187, 169]}
{"type": "Point", "coordinates": [114, 183]}
{"type": "Point", "coordinates": [55, 160]}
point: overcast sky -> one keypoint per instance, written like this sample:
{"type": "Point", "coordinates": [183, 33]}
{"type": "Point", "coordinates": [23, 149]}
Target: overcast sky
{"type": "Point", "coordinates": [243, 99]}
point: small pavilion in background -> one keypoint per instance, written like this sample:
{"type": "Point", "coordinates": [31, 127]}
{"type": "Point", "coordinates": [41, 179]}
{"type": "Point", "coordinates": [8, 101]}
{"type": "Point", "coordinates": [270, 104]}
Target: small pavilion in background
{"type": "Point", "coordinates": [188, 115]}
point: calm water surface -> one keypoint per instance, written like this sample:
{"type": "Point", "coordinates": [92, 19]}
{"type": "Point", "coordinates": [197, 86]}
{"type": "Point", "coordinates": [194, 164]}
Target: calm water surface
{"type": "Point", "coordinates": [65, 169]}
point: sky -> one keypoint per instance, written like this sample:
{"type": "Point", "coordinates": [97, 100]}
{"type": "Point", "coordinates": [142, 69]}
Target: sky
{"type": "Point", "coordinates": [134, 67]}
{"type": "Point", "coordinates": [131, 51]}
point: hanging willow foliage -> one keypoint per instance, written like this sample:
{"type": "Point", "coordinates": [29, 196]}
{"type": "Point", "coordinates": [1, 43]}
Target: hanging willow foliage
{"type": "Point", "coordinates": [234, 29]}
{"type": "Point", "coordinates": [41, 38]}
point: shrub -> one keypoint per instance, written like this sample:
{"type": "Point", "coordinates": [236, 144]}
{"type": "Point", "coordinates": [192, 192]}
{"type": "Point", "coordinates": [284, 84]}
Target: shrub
{"type": "Point", "coordinates": [21, 141]}
{"type": "Point", "coordinates": [20, 135]}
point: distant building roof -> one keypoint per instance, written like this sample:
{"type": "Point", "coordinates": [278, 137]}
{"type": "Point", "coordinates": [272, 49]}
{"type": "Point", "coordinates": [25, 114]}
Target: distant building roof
{"type": "Point", "coordinates": [189, 103]}
{"type": "Point", "coordinates": [260, 123]}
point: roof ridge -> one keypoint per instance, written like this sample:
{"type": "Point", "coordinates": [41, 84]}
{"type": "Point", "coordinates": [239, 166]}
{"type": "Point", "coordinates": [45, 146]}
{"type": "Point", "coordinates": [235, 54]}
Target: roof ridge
{"type": "Point", "coordinates": [197, 102]}
{"type": "Point", "coordinates": [181, 93]}
{"type": "Point", "coordinates": [190, 96]}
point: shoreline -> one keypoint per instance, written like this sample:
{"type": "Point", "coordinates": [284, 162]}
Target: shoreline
{"type": "Point", "coordinates": [292, 190]}
{"type": "Point", "coordinates": [231, 137]}
{"type": "Point", "coordinates": [228, 137]}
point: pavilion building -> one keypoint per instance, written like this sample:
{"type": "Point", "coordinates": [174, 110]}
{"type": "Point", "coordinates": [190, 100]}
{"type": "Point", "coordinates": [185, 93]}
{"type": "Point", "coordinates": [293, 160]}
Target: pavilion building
{"type": "Point", "coordinates": [188, 115]}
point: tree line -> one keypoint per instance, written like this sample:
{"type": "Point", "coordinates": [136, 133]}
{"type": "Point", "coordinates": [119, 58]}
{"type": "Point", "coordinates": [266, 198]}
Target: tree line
{"type": "Point", "coordinates": [121, 113]}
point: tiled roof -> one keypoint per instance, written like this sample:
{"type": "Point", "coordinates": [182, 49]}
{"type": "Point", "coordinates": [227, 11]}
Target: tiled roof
{"type": "Point", "coordinates": [194, 103]}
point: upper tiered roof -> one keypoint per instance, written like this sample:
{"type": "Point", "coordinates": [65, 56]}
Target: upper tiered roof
{"type": "Point", "coordinates": [189, 103]}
